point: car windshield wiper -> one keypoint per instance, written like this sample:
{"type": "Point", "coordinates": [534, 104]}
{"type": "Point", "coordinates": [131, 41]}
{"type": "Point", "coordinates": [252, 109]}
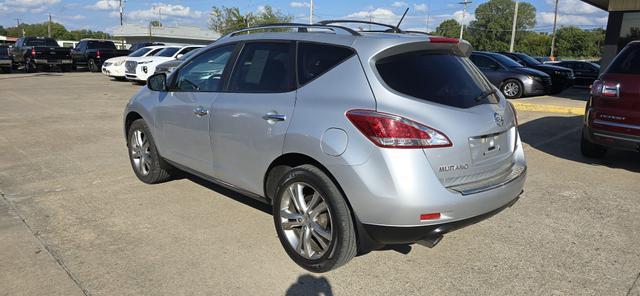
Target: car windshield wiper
{"type": "Point", "coordinates": [484, 95]}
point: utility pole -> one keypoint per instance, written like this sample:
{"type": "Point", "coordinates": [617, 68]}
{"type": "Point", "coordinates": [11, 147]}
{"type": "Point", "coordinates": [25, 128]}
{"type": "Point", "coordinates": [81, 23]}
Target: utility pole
{"type": "Point", "coordinates": [428, 14]}
{"type": "Point", "coordinates": [513, 28]}
{"type": "Point", "coordinates": [18, 27]}
{"type": "Point", "coordinates": [464, 14]}
{"type": "Point", "coordinates": [553, 38]}
{"type": "Point", "coordinates": [49, 27]}
{"type": "Point", "coordinates": [121, 13]}
{"type": "Point", "coordinates": [310, 12]}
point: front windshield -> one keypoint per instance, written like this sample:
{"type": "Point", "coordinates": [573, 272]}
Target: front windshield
{"type": "Point", "coordinates": [140, 52]}
{"type": "Point", "coordinates": [167, 52]}
{"type": "Point", "coordinates": [506, 61]}
{"type": "Point", "coordinates": [529, 60]}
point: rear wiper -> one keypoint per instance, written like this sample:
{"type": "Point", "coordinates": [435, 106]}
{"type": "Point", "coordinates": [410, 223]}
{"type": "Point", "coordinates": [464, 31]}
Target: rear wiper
{"type": "Point", "coordinates": [484, 95]}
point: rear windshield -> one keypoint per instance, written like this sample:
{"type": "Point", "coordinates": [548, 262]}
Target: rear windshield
{"type": "Point", "coordinates": [627, 61]}
{"type": "Point", "coordinates": [440, 78]}
{"type": "Point", "coordinates": [100, 45]}
{"type": "Point", "coordinates": [167, 52]}
{"type": "Point", "coordinates": [40, 42]}
{"type": "Point", "coordinates": [140, 52]}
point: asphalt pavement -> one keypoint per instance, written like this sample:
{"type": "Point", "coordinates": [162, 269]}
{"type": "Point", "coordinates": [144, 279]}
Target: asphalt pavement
{"type": "Point", "coordinates": [74, 219]}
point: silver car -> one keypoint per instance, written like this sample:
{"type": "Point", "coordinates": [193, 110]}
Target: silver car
{"type": "Point", "coordinates": [357, 139]}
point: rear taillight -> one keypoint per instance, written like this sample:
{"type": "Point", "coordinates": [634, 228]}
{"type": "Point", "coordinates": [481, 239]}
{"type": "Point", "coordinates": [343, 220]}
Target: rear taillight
{"type": "Point", "coordinates": [98, 54]}
{"type": "Point", "coordinates": [601, 88]}
{"type": "Point", "coordinates": [392, 131]}
{"type": "Point", "coordinates": [438, 39]}
{"type": "Point", "coordinates": [33, 52]}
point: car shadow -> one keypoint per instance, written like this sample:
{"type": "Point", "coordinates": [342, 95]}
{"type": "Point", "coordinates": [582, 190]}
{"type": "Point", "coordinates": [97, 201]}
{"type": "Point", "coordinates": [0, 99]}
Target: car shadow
{"type": "Point", "coordinates": [577, 93]}
{"type": "Point", "coordinates": [310, 285]}
{"type": "Point", "coordinates": [560, 136]}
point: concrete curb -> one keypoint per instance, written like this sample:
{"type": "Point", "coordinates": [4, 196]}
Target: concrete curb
{"type": "Point", "coordinates": [548, 108]}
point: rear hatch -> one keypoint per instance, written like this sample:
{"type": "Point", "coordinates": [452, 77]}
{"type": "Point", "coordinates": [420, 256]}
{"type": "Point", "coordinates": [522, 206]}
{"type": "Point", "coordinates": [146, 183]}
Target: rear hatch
{"type": "Point", "coordinates": [616, 95]}
{"type": "Point", "coordinates": [52, 53]}
{"type": "Point", "coordinates": [436, 85]}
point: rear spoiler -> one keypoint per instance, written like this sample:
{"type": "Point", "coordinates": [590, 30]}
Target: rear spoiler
{"type": "Point", "coordinates": [436, 44]}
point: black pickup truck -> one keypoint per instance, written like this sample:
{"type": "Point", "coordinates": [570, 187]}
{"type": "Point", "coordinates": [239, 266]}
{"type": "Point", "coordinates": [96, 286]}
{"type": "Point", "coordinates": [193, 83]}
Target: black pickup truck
{"type": "Point", "coordinates": [92, 53]}
{"type": "Point", "coordinates": [6, 62]}
{"type": "Point", "coordinates": [40, 53]}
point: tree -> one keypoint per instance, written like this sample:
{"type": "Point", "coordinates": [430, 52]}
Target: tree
{"type": "Point", "coordinates": [155, 23]}
{"type": "Point", "coordinates": [448, 28]}
{"type": "Point", "coordinates": [3, 31]}
{"type": "Point", "coordinates": [228, 19]}
{"type": "Point", "coordinates": [494, 19]}
{"type": "Point", "coordinates": [58, 31]}
{"type": "Point", "coordinates": [577, 43]}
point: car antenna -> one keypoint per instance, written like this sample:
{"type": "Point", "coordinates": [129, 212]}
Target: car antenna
{"type": "Point", "coordinates": [401, 19]}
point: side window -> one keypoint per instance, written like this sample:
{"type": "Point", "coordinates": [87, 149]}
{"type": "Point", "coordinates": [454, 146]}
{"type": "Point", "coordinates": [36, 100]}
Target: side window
{"type": "Point", "coordinates": [204, 73]}
{"type": "Point", "coordinates": [263, 67]}
{"type": "Point", "coordinates": [483, 62]}
{"type": "Point", "coordinates": [187, 50]}
{"type": "Point", "coordinates": [316, 59]}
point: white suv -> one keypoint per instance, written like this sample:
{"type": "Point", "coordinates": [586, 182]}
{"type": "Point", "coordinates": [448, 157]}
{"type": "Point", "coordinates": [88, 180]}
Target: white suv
{"type": "Point", "coordinates": [140, 70]}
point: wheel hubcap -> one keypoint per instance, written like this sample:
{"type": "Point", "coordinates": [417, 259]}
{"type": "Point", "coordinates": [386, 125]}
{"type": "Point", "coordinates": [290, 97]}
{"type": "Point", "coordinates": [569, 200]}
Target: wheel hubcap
{"type": "Point", "coordinates": [511, 89]}
{"type": "Point", "coordinates": [140, 152]}
{"type": "Point", "coordinates": [305, 220]}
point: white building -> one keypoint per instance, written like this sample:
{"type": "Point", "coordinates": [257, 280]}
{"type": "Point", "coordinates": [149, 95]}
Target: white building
{"type": "Point", "coordinates": [136, 33]}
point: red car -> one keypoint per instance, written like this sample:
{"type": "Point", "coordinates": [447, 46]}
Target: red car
{"type": "Point", "coordinates": [612, 118]}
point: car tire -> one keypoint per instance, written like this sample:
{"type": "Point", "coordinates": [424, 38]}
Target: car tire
{"type": "Point", "coordinates": [7, 70]}
{"type": "Point", "coordinates": [591, 150]}
{"type": "Point", "coordinates": [511, 88]}
{"type": "Point", "coordinates": [92, 66]}
{"type": "Point", "coordinates": [29, 66]}
{"type": "Point", "coordinates": [65, 68]}
{"type": "Point", "coordinates": [147, 164]}
{"type": "Point", "coordinates": [321, 236]}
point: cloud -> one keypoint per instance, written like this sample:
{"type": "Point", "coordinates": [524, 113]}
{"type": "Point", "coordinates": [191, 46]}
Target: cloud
{"type": "Point", "coordinates": [400, 4]}
{"type": "Point", "coordinates": [546, 18]}
{"type": "Point", "coordinates": [574, 7]}
{"type": "Point", "coordinates": [420, 7]}
{"type": "Point", "coordinates": [296, 4]}
{"type": "Point", "coordinates": [105, 5]}
{"type": "Point", "coordinates": [382, 15]}
{"type": "Point", "coordinates": [166, 11]}
{"type": "Point", "coordinates": [468, 17]}
{"type": "Point", "coordinates": [32, 6]}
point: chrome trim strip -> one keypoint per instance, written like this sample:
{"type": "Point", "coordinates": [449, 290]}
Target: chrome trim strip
{"type": "Point", "coordinates": [616, 124]}
{"type": "Point", "coordinates": [615, 137]}
{"type": "Point", "coordinates": [517, 171]}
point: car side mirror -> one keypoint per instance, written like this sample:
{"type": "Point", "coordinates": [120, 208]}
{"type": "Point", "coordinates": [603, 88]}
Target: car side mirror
{"type": "Point", "coordinates": [157, 82]}
{"type": "Point", "coordinates": [179, 56]}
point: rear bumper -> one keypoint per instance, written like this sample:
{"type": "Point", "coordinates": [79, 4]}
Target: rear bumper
{"type": "Point", "coordinates": [5, 63]}
{"type": "Point", "coordinates": [388, 235]}
{"type": "Point", "coordinates": [612, 139]}
{"type": "Point", "coordinates": [53, 61]}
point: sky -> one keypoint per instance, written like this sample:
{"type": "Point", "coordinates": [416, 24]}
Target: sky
{"type": "Point", "coordinates": [423, 14]}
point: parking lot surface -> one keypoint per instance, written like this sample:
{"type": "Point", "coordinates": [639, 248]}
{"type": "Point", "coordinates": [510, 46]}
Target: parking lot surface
{"type": "Point", "coordinates": [75, 220]}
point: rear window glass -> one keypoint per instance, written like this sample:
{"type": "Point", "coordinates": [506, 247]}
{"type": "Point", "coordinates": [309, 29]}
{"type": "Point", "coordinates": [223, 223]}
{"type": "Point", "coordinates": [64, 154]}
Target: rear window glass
{"type": "Point", "coordinates": [167, 52]}
{"type": "Point", "coordinates": [440, 78]}
{"type": "Point", "coordinates": [40, 42]}
{"type": "Point", "coordinates": [627, 62]}
{"type": "Point", "coordinates": [101, 45]}
{"type": "Point", "coordinates": [316, 59]}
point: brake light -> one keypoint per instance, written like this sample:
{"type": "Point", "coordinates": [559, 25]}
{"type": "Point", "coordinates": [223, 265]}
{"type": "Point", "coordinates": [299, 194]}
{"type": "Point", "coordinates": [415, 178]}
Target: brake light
{"type": "Point", "coordinates": [98, 54]}
{"type": "Point", "coordinates": [33, 52]}
{"type": "Point", "coordinates": [438, 39]}
{"type": "Point", "coordinates": [392, 131]}
{"type": "Point", "coordinates": [603, 88]}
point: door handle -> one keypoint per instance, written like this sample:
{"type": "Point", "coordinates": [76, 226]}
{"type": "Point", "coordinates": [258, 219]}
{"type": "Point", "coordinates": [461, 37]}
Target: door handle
{"type": "Point", "coordinates": [274, 117]}
{"type": "Point", "coordinates": [200, 111]}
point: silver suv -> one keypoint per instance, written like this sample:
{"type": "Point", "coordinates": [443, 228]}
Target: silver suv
{"type": "Point", "coordinates": [357, 139]}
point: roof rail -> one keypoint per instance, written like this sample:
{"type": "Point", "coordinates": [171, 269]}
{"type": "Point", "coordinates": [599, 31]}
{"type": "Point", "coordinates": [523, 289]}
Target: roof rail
{"type": "Point", "coordinates": [392, 28]}
{"type": "Point", "coordinates": [299, 26]}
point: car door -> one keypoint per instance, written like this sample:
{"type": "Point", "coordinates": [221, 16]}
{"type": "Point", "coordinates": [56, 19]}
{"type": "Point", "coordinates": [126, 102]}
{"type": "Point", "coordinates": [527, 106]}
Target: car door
{"type": "Point", "coordinates": [183, 115]}
{"type": "Point", "coordinates": [251, 117]}
{"type": "Point", "coordinates": [77, 54]}
{"type": "Point", "coordinates": [489, 68]}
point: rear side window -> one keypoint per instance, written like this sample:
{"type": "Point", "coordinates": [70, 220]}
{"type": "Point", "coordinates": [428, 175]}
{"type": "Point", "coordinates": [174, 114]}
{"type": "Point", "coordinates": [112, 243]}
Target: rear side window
{"type": "Point", "coordinates": [263, 67]}
{"type": "Point", "coordinates": [627, 62]}
{"type": "Point", "coordinates": [316, 59]}
{"type": "Point", "coordinates": [483, 62]}
{"type": "Point", "coordinates": [440, 78]}
{"type": "Point", "coordinates": [101, 45]}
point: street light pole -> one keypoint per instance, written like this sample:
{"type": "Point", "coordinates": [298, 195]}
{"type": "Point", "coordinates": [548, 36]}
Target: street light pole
{"type": "Point", "coordinates": [121, 13]}
{"type": "Point", "coordinates": [513, 28]}
{"type": "Point", "coordinates": [310, 12]}
{"type": "Point", "coordinates": [553, 38]}
{"type": "Point", "coordinates": [464, 14]}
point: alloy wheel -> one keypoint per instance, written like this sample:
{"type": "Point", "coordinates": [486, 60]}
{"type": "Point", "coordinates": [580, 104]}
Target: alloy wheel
{"type": "Point", "coordinates": [141, 152]}
{"type": "Point", "coordinates": [306, 220]}
{"type": "Point", "coordinates": [511, 89]}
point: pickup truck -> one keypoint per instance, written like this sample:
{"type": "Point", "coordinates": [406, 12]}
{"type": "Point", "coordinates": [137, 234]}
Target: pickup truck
{"type": "Point", "coordinates": [92, 53]}
{"type": "Point", "coordinates": [40, 53]}
{"type": "Point", "coordinates": [6, 63]}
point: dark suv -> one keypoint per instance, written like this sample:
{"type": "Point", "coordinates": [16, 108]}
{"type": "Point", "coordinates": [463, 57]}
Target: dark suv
{"type": "Point", "coordinates": [561, 77]}
{"type": "Point", "coordinates": [612, 118]}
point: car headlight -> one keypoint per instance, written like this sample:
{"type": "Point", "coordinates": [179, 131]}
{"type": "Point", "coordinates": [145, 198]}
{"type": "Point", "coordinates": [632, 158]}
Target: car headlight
{"type": "Point", "coordinates": [143, 62]}
{"type": "Point", "coordinates": [118, 63]}
{"type": "Point", "coordinates": [530, 77]}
